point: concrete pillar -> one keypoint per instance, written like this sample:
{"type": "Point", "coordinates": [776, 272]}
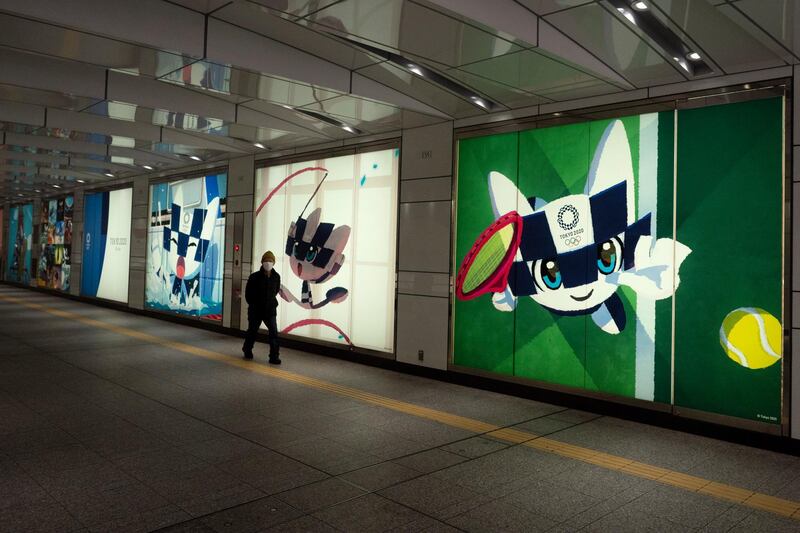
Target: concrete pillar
{"type": "Point", "coordinates": [139, 222]}
{"type": "Point", "coordinates": [423, 278]}
{"type": "Point", "coordinates": [76, 250]}
{"type": "Point", "coordinates": [793, 307]}
{"type": "Point", "coordinates": [238, 238]}
{"type": "Point", "coordinates": [4, 241]}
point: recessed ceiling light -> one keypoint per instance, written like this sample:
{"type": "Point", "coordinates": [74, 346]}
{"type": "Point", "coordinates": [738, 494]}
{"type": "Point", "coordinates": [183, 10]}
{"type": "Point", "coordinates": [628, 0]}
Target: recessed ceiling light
{"type": "Point", "coordinates": [148, 167]}
{"type": "Point", "coordinates": [259, 145]}
{"type": "Point", "coordinates": [19, 194]}
{"type": "Point", "coordinates": [56, 186]}
{"type": "Point", "coordinates": [557, 114]}
{"type": "Point", "coordinates": [37, 190]}
{"type": "Point", "coordinates": [747, 85]}
{"type": "Point", "coordinates": [480, 102]}
{"type": "Point", "coordinates": [627, 14]}
{"type": "Point", "coordinates": [348, 129]}
{"type": "Point", "coordinates": [639, 6]}
{"type": "Point", "coordinates": [80, 181]}
{"type": "Point", "coordinates": [109, 174]}
{"type": "Point", "coordinates": [694, 56]}
{"type": "Point", "coordinates": [415, 69]}
{"type": "Point", "coordinates": [195, 158]}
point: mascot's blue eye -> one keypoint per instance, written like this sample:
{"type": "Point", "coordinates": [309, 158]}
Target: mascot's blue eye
{"type": "Point", "coordinates": [311, 254]}
{"type": "Point", "coordinates": [608, 254]}
{"type": "Point", "coordinates": [551, 274]}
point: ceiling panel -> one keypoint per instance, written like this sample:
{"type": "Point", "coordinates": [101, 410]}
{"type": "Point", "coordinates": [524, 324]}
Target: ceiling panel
{"type": "Point", "coordinates": [160, 95]}
{"type": "Point", "coordinates": [87, 122]}
{"type": "Point", "coordinates": [536, 73]}
{"type": "Point", "coordinates": [372, 117]}
{"type": "Point", "coordinates": [294, 9]}
{"type": "Point", "coordinates": [776, 22]}
{"type": "Point", "coordinates": [65, 43]}
{"type": "Point", "coordinates": [722, 39]}
{"type": "Point", "coordinates": [263, 21]}
{"type": "Point", "coordinates": [543, 7]}
{"type": "Point", "coordinates": [45, 73]}
{"type": "Point", "coordinates": [159, 117]}
{"type": "Point", "coordinates": [202, 6]}
{"type": "Point", "coordinates": [505, 94]}
{"type": "Point", "coordinates": [396, 24]}
{"type": "Point", "coordinates": [158, 24]}
{"type": "Point", "coordinates": [611, 40]}
{"type": "Point", "coordinates": [25, 95]}
{"type": "Point", "coordinates": [269, 137]}
{"type": "Point", "coordinates": [779, 19]}
{"type": "Point", "coordinates": [57, 145]}
{"type": "Point", "coordinates": [18, 156]}
{"type": "Point", "coordinates": [243, 85]}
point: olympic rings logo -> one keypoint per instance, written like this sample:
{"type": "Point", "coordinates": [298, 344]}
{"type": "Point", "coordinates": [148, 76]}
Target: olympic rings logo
{"type": "Point", "coordinates": [571, 221]}
{"type": "Point", "coordinates": [572, 241]}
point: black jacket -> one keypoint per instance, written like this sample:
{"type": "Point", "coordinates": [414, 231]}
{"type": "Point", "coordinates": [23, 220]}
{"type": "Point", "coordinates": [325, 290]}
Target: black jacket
{"type": "Point", "coordinates": [261, 293]}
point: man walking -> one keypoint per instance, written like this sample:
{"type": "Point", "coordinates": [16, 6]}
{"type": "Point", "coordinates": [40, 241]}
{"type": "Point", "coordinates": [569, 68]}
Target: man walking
{"type": "Point", "coordinates": [261, 294]}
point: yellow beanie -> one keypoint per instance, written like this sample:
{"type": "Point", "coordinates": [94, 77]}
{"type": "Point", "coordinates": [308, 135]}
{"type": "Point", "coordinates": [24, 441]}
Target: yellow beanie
{"type": "Point", "coordinates": [268, 256]}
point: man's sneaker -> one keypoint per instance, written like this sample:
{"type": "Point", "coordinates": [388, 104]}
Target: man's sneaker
{"type": "Point", "coordinates": [247, 355]}
{"type": "Point", "coordinates": [274, 360]}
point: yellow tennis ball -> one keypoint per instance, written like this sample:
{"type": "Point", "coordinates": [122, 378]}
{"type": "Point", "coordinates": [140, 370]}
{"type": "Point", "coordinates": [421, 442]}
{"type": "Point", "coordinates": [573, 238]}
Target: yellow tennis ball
{"type": "Point", "coordinates": [751, 337]}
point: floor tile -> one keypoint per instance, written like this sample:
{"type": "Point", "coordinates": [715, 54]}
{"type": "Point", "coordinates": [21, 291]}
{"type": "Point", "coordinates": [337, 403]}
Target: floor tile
{"type": "Point", "coordinates": [497, 516]}
{"type": "Point", "coordinates": [320, 494]}
{"type": "Point", "coordinates": [253, 516]}
{"type": "Point", "coordinates": [379, 476]}
{"type": "Point", "coordinates": [431, 495]}
{"type": "Point", "coordinates": [429, 460]}
{"type": "Point", "coordinates": [305, 524]}
{"type": "Point", "coordinates": [369, 513]}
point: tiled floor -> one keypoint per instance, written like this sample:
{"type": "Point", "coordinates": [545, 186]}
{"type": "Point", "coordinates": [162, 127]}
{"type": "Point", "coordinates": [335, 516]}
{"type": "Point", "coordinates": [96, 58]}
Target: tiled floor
{"type": "Point", "coordinates": [101, 431]}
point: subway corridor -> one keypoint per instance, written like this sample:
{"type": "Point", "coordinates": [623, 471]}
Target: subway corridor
{"type": "Point", "coordinates": [111, 421]}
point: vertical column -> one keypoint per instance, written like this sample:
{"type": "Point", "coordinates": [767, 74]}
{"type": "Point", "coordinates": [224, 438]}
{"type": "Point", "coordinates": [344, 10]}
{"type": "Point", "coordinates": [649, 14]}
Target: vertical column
{"type": "Point", "coordinates": [239, 230]}
{"type": "Point", "coordinates": [139, 222]}
{"type": "Point", "coordinates": [36, 247]}
{"type": "Point", "coordinates": [76, 250]}
{"type": "Point", "coordinates": [793, 143]}
{"type": "Point", "coordinates": [4, 239]}
{"type": "Point", "coordinates": [423, 280]}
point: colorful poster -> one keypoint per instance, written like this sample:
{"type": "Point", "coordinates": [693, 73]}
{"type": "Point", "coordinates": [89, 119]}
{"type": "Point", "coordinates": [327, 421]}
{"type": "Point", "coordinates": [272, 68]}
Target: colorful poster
{"type": "Point", "coordinates": [55, 243]}
{"type": "Point", "coordinates": [570, 273]}
{"type": "Point", "coordinates": [20, 243]}
{"type": "Point", "coordinates": [106, 244]}
{"type": "Point", "coordinates": [728, 314]}
{"type": "Point", "coordinates": [185, 246]}
{"type": "Point", "coordinates": [332, 224]}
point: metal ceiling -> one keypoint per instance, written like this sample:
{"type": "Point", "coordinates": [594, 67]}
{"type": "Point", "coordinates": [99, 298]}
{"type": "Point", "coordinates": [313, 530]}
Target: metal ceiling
{"type": "Point", "coordinates": [95, 90]}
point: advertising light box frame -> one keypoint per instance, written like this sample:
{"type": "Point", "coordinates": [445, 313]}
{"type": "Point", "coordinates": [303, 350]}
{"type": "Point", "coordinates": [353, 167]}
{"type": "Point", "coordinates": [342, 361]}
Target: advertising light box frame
{"type": "Point", "coordinates": [672, 103]}
{"type": "Point", "coordinates": [196, 174]}
{"type": "Point", "coordinates": [101, 190]}
{"type": "Point", "coordinates": [392, 144]}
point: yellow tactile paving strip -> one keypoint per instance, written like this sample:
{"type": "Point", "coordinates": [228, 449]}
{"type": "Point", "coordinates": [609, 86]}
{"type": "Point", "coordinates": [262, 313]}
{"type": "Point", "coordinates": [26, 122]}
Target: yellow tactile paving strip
{"type": "Point", "coordinates": [690, 483]}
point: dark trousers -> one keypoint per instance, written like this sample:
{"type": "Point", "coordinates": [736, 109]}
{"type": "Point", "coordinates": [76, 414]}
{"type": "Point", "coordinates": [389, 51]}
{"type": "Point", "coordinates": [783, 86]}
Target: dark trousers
{"type": "Point", "coordinates": [253, 323]}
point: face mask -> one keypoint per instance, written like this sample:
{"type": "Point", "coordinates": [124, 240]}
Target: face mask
{"type": "Point", "coordinates": [267, 265]}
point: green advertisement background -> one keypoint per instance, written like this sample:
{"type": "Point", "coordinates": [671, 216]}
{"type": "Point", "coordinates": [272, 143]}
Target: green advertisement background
{"type": "Point", "coordinates": [549, 163]}
{"type": "Point", "coordinates": [729, 211]}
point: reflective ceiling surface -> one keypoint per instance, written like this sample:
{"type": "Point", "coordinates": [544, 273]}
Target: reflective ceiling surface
{"type": "Point", "coordinates": [96, 90]}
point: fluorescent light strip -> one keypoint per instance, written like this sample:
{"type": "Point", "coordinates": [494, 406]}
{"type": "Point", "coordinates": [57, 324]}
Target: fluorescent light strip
{"type": "Point", "coordinates": [329, 120]}
{"type": "Point", "coordinates": [429, 74]}
{"type": "Point", "coordinates": [670, 42]}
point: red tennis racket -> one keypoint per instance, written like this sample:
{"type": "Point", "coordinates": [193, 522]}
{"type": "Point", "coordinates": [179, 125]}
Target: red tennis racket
{"type": "Point", "coordinates": [485, 267]}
